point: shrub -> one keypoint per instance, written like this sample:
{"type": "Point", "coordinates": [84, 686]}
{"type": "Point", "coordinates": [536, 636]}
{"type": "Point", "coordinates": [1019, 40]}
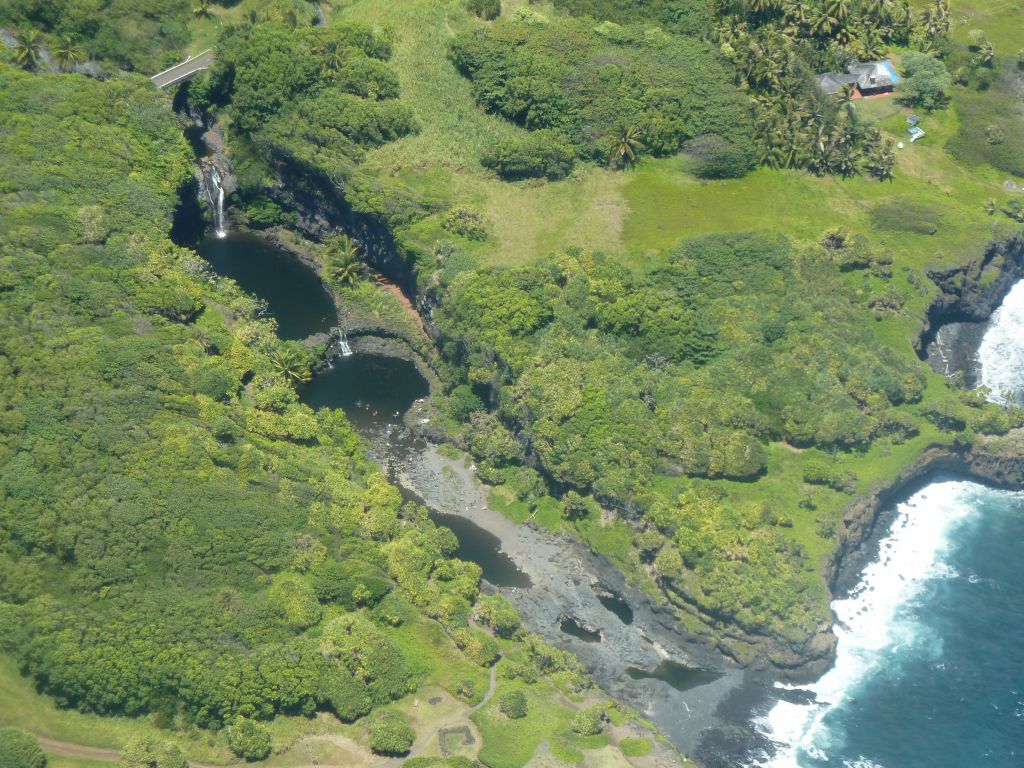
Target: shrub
{"type": "Point", "coordinates": [466, 222]}
{"type": "Point", "coordinates": [488, 10]}
{"type": "Point", "coordinates": [344, 695]}
{"type": "Point", "coordinates": [567, 76]}
{"type": "Point", "coordinates": [462, 402]}
{"type": "Point", "coordinates": [820, 471]}
{"type": "Point", "coordinates": [19, 749]}
{"type": "Point", "coordinates": [589, 722]}
{"type": "Point", "coordinates": [390, 735]}
{"type": "Point", "coordinates": [1015, 210]}
{"type": "Point", "coordinates": [636, 747]}
{"type": "Point", "coordinates": [248, 740]}
{"type": "Point", "coordinates": [147, 752]}
{"type": "Point", "coordinates": [465, 689]}
{"type": "Point", "coordinates": [541, 153]}
{"type": "Point", "coordinates": [499, 614]}
{"type": "Point", "coordinates": [478, 647]}
{"type": "Point", "coordinates": [513, 705]}
{"type": "Point", "coordinates": [717, 158]}
{"type": "Point", "coordinates": [574, 506]}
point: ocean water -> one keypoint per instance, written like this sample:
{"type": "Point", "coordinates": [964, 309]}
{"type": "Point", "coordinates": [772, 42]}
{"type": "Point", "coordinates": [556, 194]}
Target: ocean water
{"type": "Point", "coordinates": [929, 666]}
{"type": "Point", "coordinates": [930, 662]}
{"type": "Point", "coordinates": [1001, 352]}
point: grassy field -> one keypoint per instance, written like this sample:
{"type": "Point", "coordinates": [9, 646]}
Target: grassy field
{"type": "Point", "coordinates": [641, 213]}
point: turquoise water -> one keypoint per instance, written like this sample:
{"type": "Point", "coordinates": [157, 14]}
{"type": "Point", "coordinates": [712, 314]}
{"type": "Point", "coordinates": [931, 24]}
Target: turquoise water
{"type": "Point", "coordinates": [892, 71]}
{"type": "Point", "coordinates": [930, 665]}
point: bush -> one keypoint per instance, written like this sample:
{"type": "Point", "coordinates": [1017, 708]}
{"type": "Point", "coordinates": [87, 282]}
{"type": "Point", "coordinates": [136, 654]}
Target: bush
{"type": "Point", "coordinates": [717, 158]}
{"type": "Point", "coordinates": [465, 689]}
{"type": "Point", "coordinates": [248, 740]}
{"type": "Point", "coordinates": [19, 749]}
{"type": "Point", "coordinates": [499, 614]}
{"type": "Point", "coordinates": [589, 722]}
{"type": "Point", "coordinates": [344, 695]}
{"type": "Point", "coordinates": [462, 401]}
{"type": "Point", "coordinates": [820, 471]}
{"type": "Point", "coordinates": [488, 10]}
{"type": "Point", "coordinates": [1015, 210]}
{"type": "Point", "coordinates": [466, 222]}
{"type": "Point", "coordinates": [539, 154]}
{"type": "Point", "coordinates": [479, 648]}
{"type": "Point", "coordinates": [147, 752]}
{"type": "Point", "coordinates": [574, 506]}
{"type": "Point", "coordinates": [390, 735]}
{"type": "Point", "coordinates": [564, 75]}
{"type": "Point", "coordinates": [513, 705]}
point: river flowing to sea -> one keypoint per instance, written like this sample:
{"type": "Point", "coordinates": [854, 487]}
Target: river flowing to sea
{"type": "Point", "coordinates": [930, 664]}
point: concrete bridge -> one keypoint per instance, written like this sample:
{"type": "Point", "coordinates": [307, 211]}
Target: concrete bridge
{"type": "Point", "coordinates": [186, 70]}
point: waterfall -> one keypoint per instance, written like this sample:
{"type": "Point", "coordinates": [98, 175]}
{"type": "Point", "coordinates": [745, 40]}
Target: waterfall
{"type": "Point", "coordinates": [1002, 350]}
{"type": "Point", "coordinates": [214, 182]}
{"type": "Point", "coordinates": [221, 231]}
{"type": "Point", "coordinates": [346, 350]}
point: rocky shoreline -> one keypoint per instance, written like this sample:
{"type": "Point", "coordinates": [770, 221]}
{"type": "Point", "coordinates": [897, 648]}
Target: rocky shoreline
{"type": "Point", "coordinates": [570, 586]}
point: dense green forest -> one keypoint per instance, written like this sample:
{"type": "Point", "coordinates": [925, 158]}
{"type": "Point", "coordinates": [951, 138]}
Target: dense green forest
{"type": "Point", "coordinates": [672, 284]}
{"type": "Point", "coordinates": [610, 91]}
{"type": "Point", "coordinates": [178, 534]}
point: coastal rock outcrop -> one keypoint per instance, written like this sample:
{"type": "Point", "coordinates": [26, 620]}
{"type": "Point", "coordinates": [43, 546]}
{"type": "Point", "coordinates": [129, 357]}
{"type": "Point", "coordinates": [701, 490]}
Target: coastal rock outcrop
{"type": "Point", "coordinates": [973, 291]}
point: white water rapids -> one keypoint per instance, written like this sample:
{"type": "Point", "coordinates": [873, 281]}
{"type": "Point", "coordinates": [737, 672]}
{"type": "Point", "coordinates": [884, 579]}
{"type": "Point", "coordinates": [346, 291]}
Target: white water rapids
{"type": "Point", "coordinates": [1001, 353]}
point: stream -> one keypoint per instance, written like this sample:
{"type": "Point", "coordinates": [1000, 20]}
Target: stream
{"type": "Point", "coordinates": [573, 598]}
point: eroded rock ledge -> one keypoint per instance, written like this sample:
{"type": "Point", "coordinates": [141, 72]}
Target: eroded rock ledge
{"type": "Point", "coordinates": [972, 292]}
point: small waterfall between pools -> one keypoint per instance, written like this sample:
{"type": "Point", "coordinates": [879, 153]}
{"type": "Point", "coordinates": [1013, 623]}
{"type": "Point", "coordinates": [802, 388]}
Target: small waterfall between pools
{"type": "Point", "coordinates": [346, 350]}
{"type": "Point", "coordinates": [1001, 353]}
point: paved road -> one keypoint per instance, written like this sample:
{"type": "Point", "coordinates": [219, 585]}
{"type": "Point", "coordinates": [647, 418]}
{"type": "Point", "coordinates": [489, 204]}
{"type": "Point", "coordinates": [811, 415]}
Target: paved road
{"type": "Point", "coordinates": [184, 70]}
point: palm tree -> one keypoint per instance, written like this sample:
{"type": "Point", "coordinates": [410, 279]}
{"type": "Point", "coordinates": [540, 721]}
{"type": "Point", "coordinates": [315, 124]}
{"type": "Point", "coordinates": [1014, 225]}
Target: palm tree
{"type": "Point", "coordinates": [291, 363]}
{"type": "Point", "coordinates": [27, 44]}
{"type": "Point", "coordinates": [986, 53]}
{"type": "Point", "coordinates": [762, 9]}
{"type": "Point", "coordinates": [991, 207]}
{"type": "Point", "coordinates": [202, 9]}
{"type": "Point", "coordinates": [67, 53]}
{"type": "Point", "coordinates": [881, 160]}
{"type": "Point", "coordinates": [626, 142]}
{"type": "Point", "coordinates": [822, 24]}
{"type": "Point", "coordinates": [332, 55]}
{"type": "Point", "coordinates": [341, 263]}
{"type": "Point", "coordinates": [838, 9]}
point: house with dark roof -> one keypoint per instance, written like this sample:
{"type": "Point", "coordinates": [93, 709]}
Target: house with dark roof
{"type": "Point", "coordinates": [869, 78]}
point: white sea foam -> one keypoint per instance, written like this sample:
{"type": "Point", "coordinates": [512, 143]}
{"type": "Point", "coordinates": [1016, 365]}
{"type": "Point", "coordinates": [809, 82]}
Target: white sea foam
{"type": "Point", "coordinates": [869, 624]}
{"type": "Point", "coordinates": [1001, 352]}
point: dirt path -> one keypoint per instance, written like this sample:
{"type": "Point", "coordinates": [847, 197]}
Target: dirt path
{"type": "Point", "coordinates": [67, 749]}
{"type": "Point", "coordinates": [80, 752]}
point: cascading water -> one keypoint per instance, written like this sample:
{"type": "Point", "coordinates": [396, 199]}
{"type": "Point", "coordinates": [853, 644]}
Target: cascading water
{"type": "Point", "coordinates": [1001, 353]}
{"type": "Point", "coordinates": [216, 199]}
{"type": "Point", "coordinates": [346, 350]}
